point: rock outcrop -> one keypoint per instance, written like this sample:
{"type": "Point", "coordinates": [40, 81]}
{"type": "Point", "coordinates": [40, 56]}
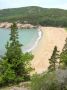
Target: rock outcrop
{"type": "Point", "coordinates": [19, 25]}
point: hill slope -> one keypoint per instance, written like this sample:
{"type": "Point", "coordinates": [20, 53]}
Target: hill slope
{"type": "Point", "coordinates": [35, 15]}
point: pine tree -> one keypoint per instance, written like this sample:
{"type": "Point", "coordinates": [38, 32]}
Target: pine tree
{"type": "Point", "coordinates": [13, 65]}
{"type": "Point", "coordinates": [53, 59]}
{"type": "Point", "coordinates": [14, 53]}
{"type": "Point", "coordinates": [63, 55]}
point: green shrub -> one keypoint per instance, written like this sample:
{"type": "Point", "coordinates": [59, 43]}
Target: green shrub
{"type": "Point", "coordinates": [47, 81]}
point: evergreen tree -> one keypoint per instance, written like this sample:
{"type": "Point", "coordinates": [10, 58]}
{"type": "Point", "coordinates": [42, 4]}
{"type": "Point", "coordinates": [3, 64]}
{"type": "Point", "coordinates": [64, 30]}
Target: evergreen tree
{"type": "Point", "coordinates": [53, 59]}
{"type": "Point", "coordinates": [14, 65]}
{"type": "Point", "coordinates": [14, 53]}
{"type": "Point", "coordinates": [63, 55]}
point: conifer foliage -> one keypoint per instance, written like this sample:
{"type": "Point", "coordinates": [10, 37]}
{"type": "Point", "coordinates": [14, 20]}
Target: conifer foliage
{"type": "Point", "coordinates": [53, 59]}
{"type": "Point", "coordinates": [13, 66]}
{"type": "Point", "coordinates": [63, 55]}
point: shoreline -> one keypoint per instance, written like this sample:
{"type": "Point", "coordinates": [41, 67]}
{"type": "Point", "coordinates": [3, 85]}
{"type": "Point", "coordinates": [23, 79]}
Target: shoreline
{"type": "Point", "coordinates": [36, 42]}
{"type": "Point", "coordinates": [19, 25]}
{"type": "Point", "coordinates": [48, 38]}
{"type": "Point", "coordinates": [52, 36]}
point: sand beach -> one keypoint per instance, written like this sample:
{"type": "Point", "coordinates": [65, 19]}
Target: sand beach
{"type": "Point", "coordinates": [51, 37]}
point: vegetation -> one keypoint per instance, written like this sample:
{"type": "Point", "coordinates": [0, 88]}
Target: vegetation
{"type": "Point", "coordinates": [55, 78]}
{"type": "Point", "coordinates": [63, 55]}
{"type": "Point", "coordinates": [53, 60]}
{"type": "Point", "coordinates": [48, 81]}
{"type": "Point", "coordinates": [14, 65]}
{"type": "Point", "coordinates": [35, 15]}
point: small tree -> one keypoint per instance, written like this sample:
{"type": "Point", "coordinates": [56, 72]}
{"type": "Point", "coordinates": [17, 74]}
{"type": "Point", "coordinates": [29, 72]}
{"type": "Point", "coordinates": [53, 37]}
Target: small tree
{"type": "Point", "coordinates": [63, 55]}
{"type": "Point", "coordinates": [53, 59]}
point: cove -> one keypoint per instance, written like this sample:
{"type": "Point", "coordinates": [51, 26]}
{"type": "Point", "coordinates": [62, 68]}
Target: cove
{"type": "Point", "coordinates": [28, 37]}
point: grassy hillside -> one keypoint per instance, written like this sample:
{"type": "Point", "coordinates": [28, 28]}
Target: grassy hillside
{"type": "Point", "coordinates": [35, 15]}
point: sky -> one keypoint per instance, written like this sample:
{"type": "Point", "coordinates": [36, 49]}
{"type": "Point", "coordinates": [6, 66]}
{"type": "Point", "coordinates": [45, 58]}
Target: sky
{"type": "Point", "coordinates": [42, 3]}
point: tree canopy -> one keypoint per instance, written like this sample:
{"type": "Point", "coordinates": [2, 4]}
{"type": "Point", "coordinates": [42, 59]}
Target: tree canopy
{"type": "Point", "coordinates": [35, 15]}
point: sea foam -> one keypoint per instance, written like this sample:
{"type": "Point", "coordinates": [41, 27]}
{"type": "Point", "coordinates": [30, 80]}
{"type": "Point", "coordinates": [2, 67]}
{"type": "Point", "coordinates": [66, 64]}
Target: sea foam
{"type": "Point", "coordinates": [35, 43]}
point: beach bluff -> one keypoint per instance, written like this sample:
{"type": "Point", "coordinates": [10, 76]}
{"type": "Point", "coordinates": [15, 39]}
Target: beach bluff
{"type": "Point", "coordinates": [19, 25]}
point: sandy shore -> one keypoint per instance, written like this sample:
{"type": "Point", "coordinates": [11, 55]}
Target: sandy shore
{"type": "Point", "coordinates": [51, 37]}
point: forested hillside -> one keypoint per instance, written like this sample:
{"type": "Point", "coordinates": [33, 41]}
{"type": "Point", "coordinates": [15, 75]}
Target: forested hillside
{"type": "Point", "coordinates": [35, 15]}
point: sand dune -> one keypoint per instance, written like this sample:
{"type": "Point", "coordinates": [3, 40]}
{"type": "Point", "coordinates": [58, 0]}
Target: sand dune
{"type": "Point", "coordinates": [51, 36]}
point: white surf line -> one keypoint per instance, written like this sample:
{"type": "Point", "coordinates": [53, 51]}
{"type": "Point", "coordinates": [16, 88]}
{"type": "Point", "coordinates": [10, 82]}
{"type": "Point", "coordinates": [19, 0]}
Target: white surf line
{"type": "Point", "coordinates": [36, 42]}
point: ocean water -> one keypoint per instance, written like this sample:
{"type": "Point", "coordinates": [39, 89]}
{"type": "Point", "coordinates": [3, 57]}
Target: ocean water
{"type": "Point", "coordinates": [28, 37]}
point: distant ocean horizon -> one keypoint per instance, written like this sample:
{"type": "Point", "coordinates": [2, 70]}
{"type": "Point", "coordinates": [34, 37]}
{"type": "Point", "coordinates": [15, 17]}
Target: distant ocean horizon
{"type": "Point", "coordinates": [28, 37]}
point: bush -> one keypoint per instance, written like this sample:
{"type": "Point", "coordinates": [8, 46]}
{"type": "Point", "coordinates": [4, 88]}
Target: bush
{"type": "Point", "coordinates": [47, 81]}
